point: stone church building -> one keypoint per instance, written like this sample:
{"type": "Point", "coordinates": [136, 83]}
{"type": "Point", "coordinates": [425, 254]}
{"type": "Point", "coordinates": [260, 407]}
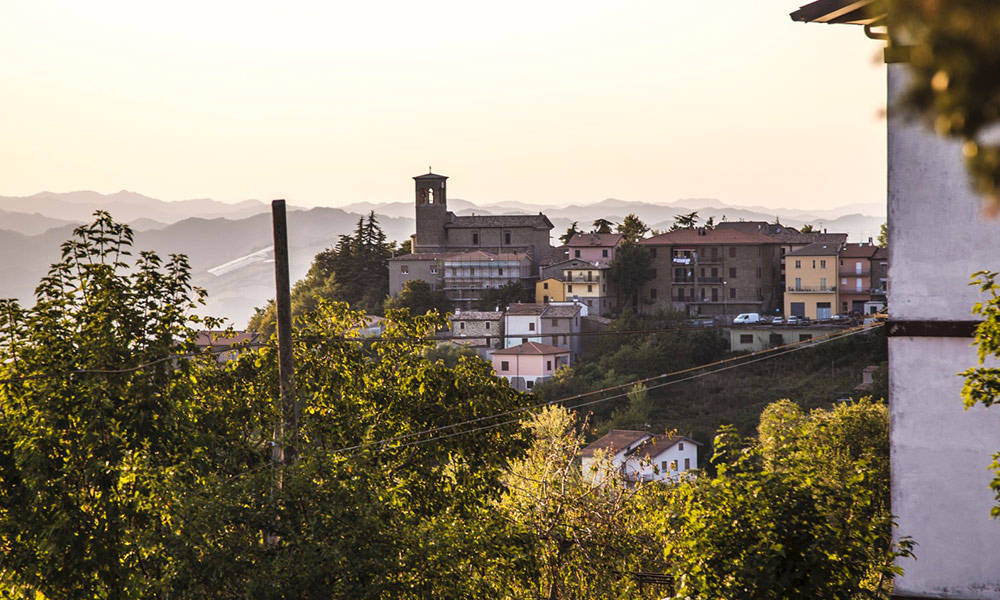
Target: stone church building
{"type": "Point", "coordinates": [465, 254]}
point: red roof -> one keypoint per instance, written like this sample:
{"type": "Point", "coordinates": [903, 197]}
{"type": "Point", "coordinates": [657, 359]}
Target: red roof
{"type": "Point", "coordinates": [615, 441]}
{"type": "Point", "coordinates": [713, 237]}
{"type": "Point", "coordinates": [533, 348]}
{"type": "Point", "coordinates": [595, 239]}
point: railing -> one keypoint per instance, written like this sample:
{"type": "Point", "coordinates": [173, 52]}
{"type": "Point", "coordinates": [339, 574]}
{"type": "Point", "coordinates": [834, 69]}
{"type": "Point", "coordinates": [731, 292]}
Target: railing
{"type": "Point", "coordinates": [683, 260]}
{"type": "Point", "coordinates": [852, 273]}
{"type": "Point", "coordinates": [817, 289]}
{"type": "Point", "coordinates": [709, 260]}
{"type": "Point", "coordinates": [709, 280]}
{"type": "Point", "coordinates": [683, 281]}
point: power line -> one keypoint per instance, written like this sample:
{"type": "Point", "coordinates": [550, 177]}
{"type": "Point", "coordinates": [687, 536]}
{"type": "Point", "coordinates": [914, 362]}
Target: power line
{"type": "Point", "coordinates": [740, 361]}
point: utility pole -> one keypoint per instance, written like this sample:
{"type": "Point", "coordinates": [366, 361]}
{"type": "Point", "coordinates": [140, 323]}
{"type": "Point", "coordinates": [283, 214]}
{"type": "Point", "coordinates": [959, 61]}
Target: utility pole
{"type": "Point", "coordinates": [286, 430]}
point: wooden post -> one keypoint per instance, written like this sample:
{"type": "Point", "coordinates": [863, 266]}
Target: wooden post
{"type": "Point", "coordinates": [286, 431]}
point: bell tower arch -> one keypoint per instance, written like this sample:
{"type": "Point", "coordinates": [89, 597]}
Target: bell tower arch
{"type": "Point", "coordinates": [431, 212]}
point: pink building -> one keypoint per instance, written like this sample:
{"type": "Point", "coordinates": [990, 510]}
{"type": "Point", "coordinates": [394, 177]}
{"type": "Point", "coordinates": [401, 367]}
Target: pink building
{"type": "Point", "coordinates": [594, 247]}
{"type": "Point", "coordinates": [528, 363]}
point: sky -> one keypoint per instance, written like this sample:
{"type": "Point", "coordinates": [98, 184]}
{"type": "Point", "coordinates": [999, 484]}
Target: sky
{"type": "Point", "coordinates": [547, 103]}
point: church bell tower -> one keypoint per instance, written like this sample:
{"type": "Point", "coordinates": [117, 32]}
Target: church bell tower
{"type": "Point", "coordinates": [431, 213]}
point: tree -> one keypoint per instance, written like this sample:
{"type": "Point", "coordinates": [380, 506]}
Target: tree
{"type": "Point", "coordinates": [355, 271]}
{"type": "Point", "coordinates": [777, 522]}
{"type": "Point", "coordinates": [687, 221]}
{"type": "Point", "coordinates": [571, 232]}
{"type": "Point", "coordinates": [883, 236]}
{"type": "Point", "coordinates": [96, 419]}
{"type": "Point", "coordinates": [418, 297]}
{"type": "Point", "coordinates": [632, 228]}
{"type": "Point", "coordinates": [807, 229]}
{"type": "Point", "coordinates": [952, 87]}
{"type": "Point", "coordinates": [502, 297]}
{"type": "Point", "coordinates": [586, 537]}
{"type": "Point", "coordinates": [603, 226]}
{"type": "Point", "coordinates": [631, 267]}
{"type": "Point", "coordinates": [982, 383]}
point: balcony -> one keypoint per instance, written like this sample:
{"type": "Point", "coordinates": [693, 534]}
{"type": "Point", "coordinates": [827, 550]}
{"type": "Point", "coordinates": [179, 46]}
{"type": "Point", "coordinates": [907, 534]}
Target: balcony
{"type": "Point", "coordinates": [853, 273]}
{"type": "Point", "coordinates": [812, 290]}
{"type": "Point", "coordinates": [710, 260]}
{"type": "Point", "coordinates": [709, 280]}
{"type": "Point", "coordinates": [682, 281]}
{"type": "Point", "coordinates": [683, 260]}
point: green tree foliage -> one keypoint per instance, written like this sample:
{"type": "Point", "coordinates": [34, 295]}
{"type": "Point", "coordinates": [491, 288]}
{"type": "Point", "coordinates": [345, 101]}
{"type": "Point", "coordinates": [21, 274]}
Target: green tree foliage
{"type": "Point", "coordinates": [603, 226]}
{"type": "Point", "coordinates": [585, 537]}
{"type": "Point", "coordinates": [355, 271]}
{"type": "Point", "coordinates": [982, 383]}
{"type": "Point", "coordinates": [632, 228]}
{"type": "Point", "coordinates": [687, 221]}
{"type": "Point", "coordinates": [807, 229]}
{"type": "Point", "coordinates": [501, 297]}
{"type": "Point", "coordinates": [418, 297]}
{"type": "Point", "coordinates": [953, 60]}
{"type": "Point", "coordinates": [96, 419]}
{"type": "Point", "coordinates": [571, 232]}
{"type": "Point", "coordinates": [632, 267]}
{"type": "Point", "coordinates": [796, 517]}
{"type": "Point", "coordinates": [883, 236]}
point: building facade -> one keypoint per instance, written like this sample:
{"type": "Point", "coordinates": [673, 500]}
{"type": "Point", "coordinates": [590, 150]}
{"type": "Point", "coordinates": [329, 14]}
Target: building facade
{"type": "Point", "coordinates": [811, 281]}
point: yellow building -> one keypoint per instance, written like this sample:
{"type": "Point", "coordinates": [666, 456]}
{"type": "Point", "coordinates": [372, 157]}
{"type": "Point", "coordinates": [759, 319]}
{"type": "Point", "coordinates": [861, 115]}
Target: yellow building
{"type": "Point", "coordinates": [811, 281]}
{"type": "Point", "coordinates": [589, 285]}
{"type": "Point", "coordinates": [550, 289]}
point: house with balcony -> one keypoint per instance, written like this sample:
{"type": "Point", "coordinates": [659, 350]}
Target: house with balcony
{"type": "Point", "coordinates": [582, 281]}
{"type": "Point", "coordinates": [466, 275]}
{"type": "Point", "coordinates": [527, 364]}
{"type": "Point", "coordinates": [713, 272]}
{"type": "Point", "coordinates": [811, 281]}
{"type": "Point", "coordinates": [855, 274]}
{"type": "Point", "coordinates": [639, 456]}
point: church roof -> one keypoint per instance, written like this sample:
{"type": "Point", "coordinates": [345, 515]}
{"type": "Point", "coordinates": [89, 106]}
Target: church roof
{"type": "Point", "coordinates": [431, 176]}
{"type": "Point", "coordinates": [539, 220]}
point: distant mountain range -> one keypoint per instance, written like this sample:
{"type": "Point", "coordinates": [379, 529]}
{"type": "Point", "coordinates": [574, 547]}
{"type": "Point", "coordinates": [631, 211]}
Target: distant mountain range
{"type": "Point", "coordinates": [229, 245]}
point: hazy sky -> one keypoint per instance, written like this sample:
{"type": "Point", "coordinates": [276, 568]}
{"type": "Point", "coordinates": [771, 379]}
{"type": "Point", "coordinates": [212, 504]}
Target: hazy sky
{"type": "Point", "coordinates": [545, 102]}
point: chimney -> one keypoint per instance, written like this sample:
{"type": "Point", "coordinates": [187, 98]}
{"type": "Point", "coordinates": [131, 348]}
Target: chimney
{"type": "Point", "coordinates": [870, 242]}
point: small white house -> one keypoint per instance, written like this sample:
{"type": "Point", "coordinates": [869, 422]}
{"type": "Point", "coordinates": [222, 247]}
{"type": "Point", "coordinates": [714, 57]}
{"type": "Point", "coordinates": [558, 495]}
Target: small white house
{"type": "Point", "coordinates": [641, 456]}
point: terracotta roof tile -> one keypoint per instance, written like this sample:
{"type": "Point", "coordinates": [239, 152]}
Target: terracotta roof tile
{"type": "Point", "coordinates": [615, 441]}
{"type": "Point", "coordinates": [696, 236]}
{"type": "Point", "coordinates": [532, 348]}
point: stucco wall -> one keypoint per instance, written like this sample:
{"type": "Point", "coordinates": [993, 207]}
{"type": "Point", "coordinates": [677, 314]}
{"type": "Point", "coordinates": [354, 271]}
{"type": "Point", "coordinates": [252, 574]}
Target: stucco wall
{"type": "Point", "coordinates": [940, 490]}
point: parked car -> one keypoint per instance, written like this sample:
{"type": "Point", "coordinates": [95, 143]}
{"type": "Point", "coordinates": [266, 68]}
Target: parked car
{"type": "Point", "coordinates": [778, 321]}
{"type": "Point", "coordinates": [746, 318]}
{"type": "Point", "coordinates": [792, 320]}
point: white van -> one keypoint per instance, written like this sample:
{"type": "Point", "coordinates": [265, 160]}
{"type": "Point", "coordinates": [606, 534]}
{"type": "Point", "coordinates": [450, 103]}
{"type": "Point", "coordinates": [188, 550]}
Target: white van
{"type": "Point", "coordinates": [745, 318]}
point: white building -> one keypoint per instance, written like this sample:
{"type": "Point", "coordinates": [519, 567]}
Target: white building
{"type": "Point", "coordinates": [554, 324]}
{"type": "Point", "coordinates": [640, 455]}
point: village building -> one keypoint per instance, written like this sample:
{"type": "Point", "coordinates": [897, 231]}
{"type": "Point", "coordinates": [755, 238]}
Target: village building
{"type": "Point", "coordinates": [555, 324]}
{"type": "Point", "coordinates": [639, 456]}
{"type": "Point", "coordinates": [529, 363]}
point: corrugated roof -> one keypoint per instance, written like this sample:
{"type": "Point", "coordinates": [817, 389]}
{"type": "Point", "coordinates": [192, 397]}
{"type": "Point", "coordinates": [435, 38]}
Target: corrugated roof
{"type": "Point", "coordinates": [614, 441]}
{"type": "Point", "coordinates": [531, 348]}
{"type": "Point", "coordinates": [699, 235]}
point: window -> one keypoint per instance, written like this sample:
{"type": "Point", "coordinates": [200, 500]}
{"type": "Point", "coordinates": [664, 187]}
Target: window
{"type": "Point", "coordinates": [569, 288]}
{"type": "Point", "coordinates": [663, 465]}
{"type": "Point", "coordinates": [487, 324]}
{"type": "Point", "coordinates": [814, 264]}
{"type": "Point", "coordinates": [843, 281]}
{"type": "Point", "coordinates": [530, 384]}
{"type": "Point", "coordinates": [777, 339]}
{"type": "Point", "coordinates": [732, 271]}
{"type": "Point", "coordinates": [500, 271]}
{"type": "Point", "coordinates": [545, 286]}
{"type": "Point", "coordinates": [524, 340]}
{"type": "Point", "coordinates": [652, 293]}
{"type": "Point", "coordinates": [461, 324]}
{"type": "Point", "coordinates": [487, 339]}
{"type": "Point", "coordinates": [472, 270]}
{"type": "Point", "coordinates": [732, 292]}
{"type": "Point", "coordinates": [590, 287]}
{"type": "Point", "coordinates": [857, 267]}
{"type": "Point", "coordinates": [687, 464]}
{"type": "Point", "coordinates": [555, 322]}
{"type": "Point", "coordinates": [822, 264]}
{"type": "Point", "coordinates": [822, 283]}
{"type": "Point", "coordinates": [604, 253]}
{"type": "Point", "coordinates": [548, 365]}
{"type": "Point", "coordinates": [504, 365]}
{"type": "Point", "coordinates": [475, 239]}
{"type": "Point", "coordinates": [732, 252]}
{"type": "Point", "coordinates": [506, 238]}
{"type": "Point", "coordinates": [798, 283]}
{"type": "Point", "coordinates": [805, 337]}
{"type": "Point", "coordinates": [798, 264]}
{"type": "Point", "coordinates": [576, 254]}
{"type": "Point", "coordinates": [404, 269]}
{"type": "Point", "coordinates": [531, 326]}
{"type": "Point", "coordinates": [680, 445]}
{"type": "Point", "coordinates": [746, 338]}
